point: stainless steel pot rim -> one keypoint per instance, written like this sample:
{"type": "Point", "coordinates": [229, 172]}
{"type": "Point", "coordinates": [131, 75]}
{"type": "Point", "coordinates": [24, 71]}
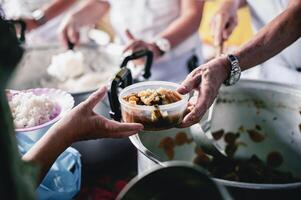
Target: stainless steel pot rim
{"type": "Point", "coordinates": [258, 186]}
{"type": "Point", "coordinates": [172, 164]}
{"type": "Point", "coordinates": [57, 46]}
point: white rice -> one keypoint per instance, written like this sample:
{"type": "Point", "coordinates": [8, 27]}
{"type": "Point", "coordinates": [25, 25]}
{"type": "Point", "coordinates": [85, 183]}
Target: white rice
{"type": "Point", "coordinates": [30, 110]}
{"type": "Point", "coordinates": [69, 64]}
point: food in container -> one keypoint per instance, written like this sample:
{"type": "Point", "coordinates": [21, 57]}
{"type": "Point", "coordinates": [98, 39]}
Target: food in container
{"type": "Point", "coordinates": [155, 104]}
{"type": "Point", "coordinates": [35, 110]}
{"type": "Point", "coordinates": [67, 65]}
{"type": "Point", "coordinates": [29, 109]}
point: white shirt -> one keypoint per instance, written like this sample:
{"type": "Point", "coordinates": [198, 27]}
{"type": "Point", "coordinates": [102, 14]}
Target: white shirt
{"type": "Point", "coordinates": [282, 67]}
{"type": "Point", "coordinates": [146, 19]}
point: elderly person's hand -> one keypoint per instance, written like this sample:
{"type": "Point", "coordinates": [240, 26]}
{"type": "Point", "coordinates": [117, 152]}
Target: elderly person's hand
{"type": "Point", "coordinates": [224, 21]}
{"type": "Point", "coordinates": [83, 123]}
{"type": "Point", "coordinates": [207, 80]}
{"type": "Point", "coordinates": [135, 44]}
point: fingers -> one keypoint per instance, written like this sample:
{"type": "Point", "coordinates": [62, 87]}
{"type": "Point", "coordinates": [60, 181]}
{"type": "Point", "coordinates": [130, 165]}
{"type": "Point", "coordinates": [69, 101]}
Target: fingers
{"type": "Point", "coordinates": [73, 35]}
{"type": "Point", "coordinates": [229, 29]}
{"type": "Point", "coordinates": [129, 35]}
{"type": "Point", "coordinates": [96, 97]}
{"type": "Point", "coordinates": [125, 129]}
{"type": "Point", "coordinates": [207, 93]}
{"type": "Point", "coordinates": [68, 32]}
{"type": "Point", "coordinates": [114, 129]}
{"type": "Point", "coordinates": [135, 46]}
{"type": "Point", "coordinates": [197, 112]}
{"type": "Point", "coordinates": [192, 81]}
{"type": "Point", "coordinates": [63, 37]}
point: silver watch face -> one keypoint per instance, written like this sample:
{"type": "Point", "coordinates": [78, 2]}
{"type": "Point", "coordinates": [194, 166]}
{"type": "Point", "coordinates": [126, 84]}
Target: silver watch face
{"type": "Point", "coordinates": [235, 70]}
{"type": "Point", "coordinates": [235, 75]}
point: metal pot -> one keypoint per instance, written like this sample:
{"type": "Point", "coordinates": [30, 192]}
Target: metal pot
{"type": "Point", "coordinates": [177, 180]}
{"type": "Point", "coordinates": [31, 73]}
{"type": "Point", "coordinates": [282, 100]}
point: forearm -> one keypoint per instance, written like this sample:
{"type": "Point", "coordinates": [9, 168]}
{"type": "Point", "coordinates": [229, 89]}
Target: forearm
{"type": "Point", "coordinates": [56, 7]}
{"type": "Point", "coordinates": [187, 24]}
{"type": "Point", "coordinates": [273, 38]}
{"type": "Point", "coordinates": [91, 11]}
{"type": "Point", "coordinates": [46, 150]}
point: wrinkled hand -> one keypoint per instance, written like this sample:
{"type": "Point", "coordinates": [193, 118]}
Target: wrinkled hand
{"type": "Point", "coordinates": [137, 45]}
{"type": "Point", "coordinates": [206, 79]}
{"type": "Point", "coordinates": [224, 22]}
{"type": "Point", "coordinates": [69, 30]}
{"type": "Point", "coordinates": [83, 123]}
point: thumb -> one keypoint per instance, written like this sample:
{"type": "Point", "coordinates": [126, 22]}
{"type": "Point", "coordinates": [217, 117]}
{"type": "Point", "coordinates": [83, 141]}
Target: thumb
{"type": "Point", "coordinates": [192, 81]}
{"type": "Point", "coordinates": [96, 97]}
{"type": "Point", "coordinates": [129, 35]}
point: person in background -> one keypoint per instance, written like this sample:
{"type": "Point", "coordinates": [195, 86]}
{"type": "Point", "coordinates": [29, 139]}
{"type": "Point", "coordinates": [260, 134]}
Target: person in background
{"type": "Point", "coordinates": [20, 176]}
{"type": "Point", "coordinates": [42, 17]}
{"type": "Point", "coordinates": [168, 28]}
{"type": "Point", "coordinates": [279, 36]}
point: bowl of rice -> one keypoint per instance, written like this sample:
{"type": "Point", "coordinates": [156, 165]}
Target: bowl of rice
{"type": "Point", "coordinates": [34, 111]}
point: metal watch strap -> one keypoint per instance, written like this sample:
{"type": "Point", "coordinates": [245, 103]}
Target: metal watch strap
{"type": "Point", "coordinates": [39, 16]}
{"type": "Point", "coordinates": [235, 71]}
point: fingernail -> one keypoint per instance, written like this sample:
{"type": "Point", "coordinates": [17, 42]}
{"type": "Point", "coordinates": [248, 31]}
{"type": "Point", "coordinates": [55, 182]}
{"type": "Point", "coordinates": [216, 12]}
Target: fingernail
{"type": "Point", "coordinates": [182, 89]}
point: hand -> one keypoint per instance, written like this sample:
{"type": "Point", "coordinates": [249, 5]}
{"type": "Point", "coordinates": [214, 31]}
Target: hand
{"type": "Point", "coordinates": [224, 22]}
{"type": "Point", "coordinates": [31, 24]}
{"type": "Point", "coordinates": [136, 45]}
{"type": "Point", "coordinates": [69, 30]}
{"type": "Point", "coordinates": [82, 123]}
{"type": "Point", "coordinates": [206, 79]}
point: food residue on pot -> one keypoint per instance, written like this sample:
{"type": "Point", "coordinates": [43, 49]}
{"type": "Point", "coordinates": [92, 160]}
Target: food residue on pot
{"type": "Point", "coordinates": [218, 134]}
{"type": "Point", "coordinates": [258, 127]}
{"type": "Point", "coordinates": [182, 138]}
{"type": "Point", "coordinates": [241, 128]}
{"type": "Point", "coordinates": [230, 137]}
{"type": "Point", "coordinates": [252, 170]}
{"type": "Point", "coordinates": [201, 157]}
{"type": "Point", "coordinates": [231, 149]}
{"type": "Point", "coordinates": [256, 136]}
{"type": "Point", "coordinates": [169, 143]}
{"type": "Point", "coordinates": [274, 159]}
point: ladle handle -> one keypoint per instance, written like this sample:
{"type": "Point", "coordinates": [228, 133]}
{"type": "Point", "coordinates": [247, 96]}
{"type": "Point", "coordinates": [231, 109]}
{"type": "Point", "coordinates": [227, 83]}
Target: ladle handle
{"type": "Point", "coordinates": [140, 54]}
{"type": "Point", "coordinates": [122, 79]}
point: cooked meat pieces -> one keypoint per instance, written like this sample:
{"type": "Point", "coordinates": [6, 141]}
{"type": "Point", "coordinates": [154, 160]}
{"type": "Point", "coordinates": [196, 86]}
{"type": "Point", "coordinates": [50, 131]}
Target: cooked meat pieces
{"type": "Point", "coordinates": [152, 97]}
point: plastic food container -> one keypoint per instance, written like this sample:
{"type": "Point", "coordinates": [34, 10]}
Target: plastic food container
{"type": "Point", "coordinates": [170, 115]}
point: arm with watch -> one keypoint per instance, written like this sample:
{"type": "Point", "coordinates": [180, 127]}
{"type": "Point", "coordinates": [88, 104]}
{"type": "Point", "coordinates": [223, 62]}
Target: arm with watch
{"type": "Point", "coordinates": [46, 13]}
{"type": "Point", "coordinates": [180, 29]}
{"type": "Point", "coordinates": [269, 41]}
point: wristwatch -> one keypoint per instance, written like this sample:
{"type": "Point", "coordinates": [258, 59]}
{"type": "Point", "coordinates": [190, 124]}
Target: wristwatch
{"type": "Point", "coordinates": [235, 71]}
{"type": "Point", "coordinates": [163, 45]}
{"type": "Point", "coordinates": [39, 16]}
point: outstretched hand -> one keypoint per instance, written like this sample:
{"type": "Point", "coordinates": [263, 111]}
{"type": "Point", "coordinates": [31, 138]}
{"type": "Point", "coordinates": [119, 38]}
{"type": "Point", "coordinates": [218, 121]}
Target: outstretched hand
{"type": "Point", "coordinates": [83, 123]}
{"type": "Point", "coordinates": [206, 79]}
